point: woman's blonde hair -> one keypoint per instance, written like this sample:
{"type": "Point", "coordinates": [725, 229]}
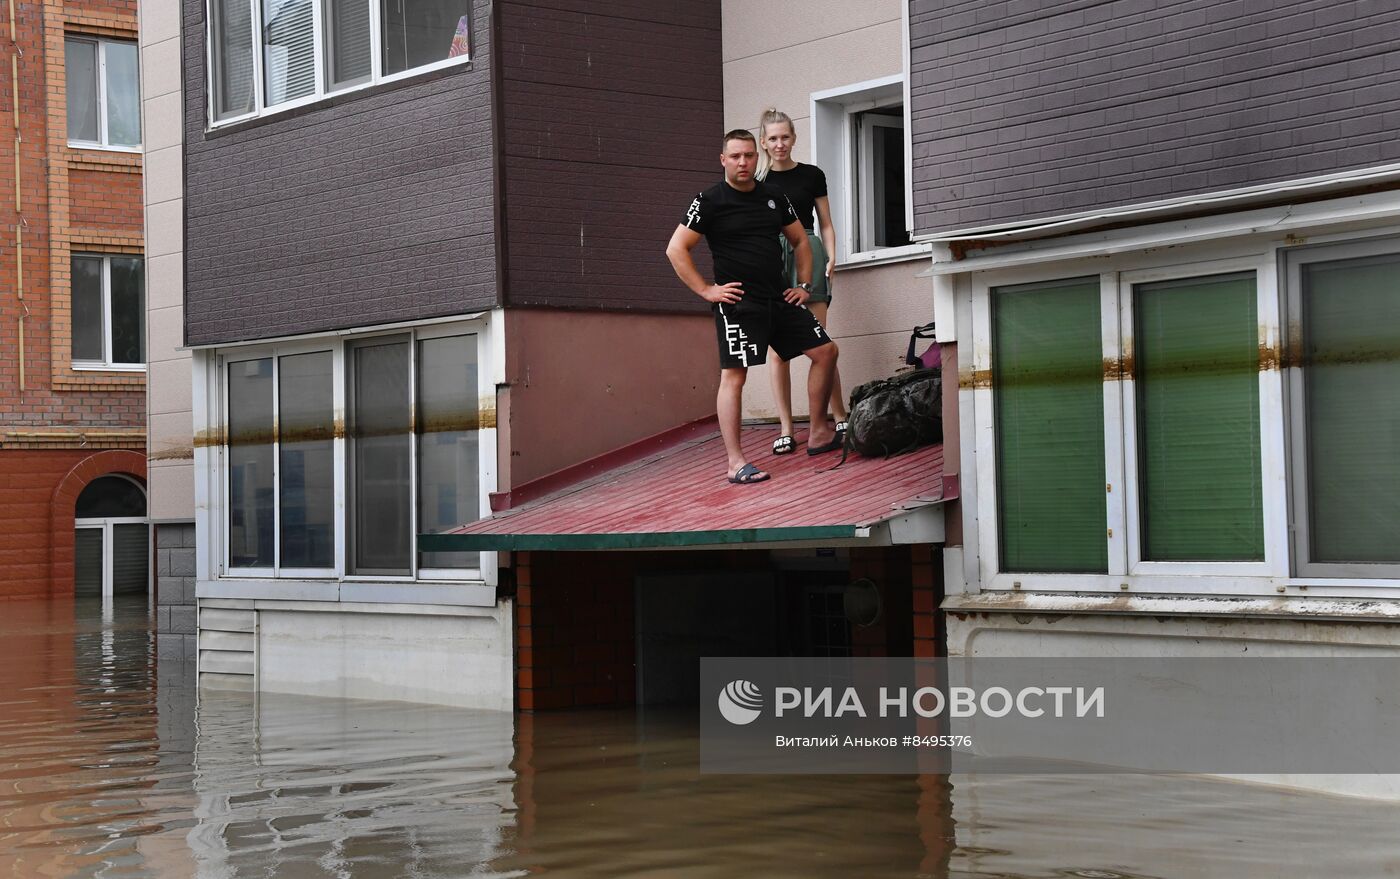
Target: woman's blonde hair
{"type": "Point", "coordinates": [770, 116]}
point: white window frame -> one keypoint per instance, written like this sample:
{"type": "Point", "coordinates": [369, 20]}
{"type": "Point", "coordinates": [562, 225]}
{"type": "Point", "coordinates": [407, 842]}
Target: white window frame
{"type": "Point", "coordinates": [319, 37]}
{"type": "Point", "coordinates": [1292, 261]}
{"type": "Point", "coordinates": [1126, 568]}
{"type": "Point", "coordinates": [104, 524]}
{"type": "Point", "coordinates": [835, 150]}
{"type": "Point", "coordinates": [339, 346]}
{"type": "Point", "coordinates": [106, 364]}
{"type": "Point", "coordinates": [101, 143]}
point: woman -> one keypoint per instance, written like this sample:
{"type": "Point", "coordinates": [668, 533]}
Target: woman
{"type": "Point", "coordinates": [805, 187]}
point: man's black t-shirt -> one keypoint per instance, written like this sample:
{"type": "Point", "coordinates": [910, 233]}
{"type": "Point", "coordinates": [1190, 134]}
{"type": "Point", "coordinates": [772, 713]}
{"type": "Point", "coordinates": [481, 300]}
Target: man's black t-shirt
{"type": "Point", "coordinates": [743, 230]}
{"type": "Point", "coordinates": [802, 185]}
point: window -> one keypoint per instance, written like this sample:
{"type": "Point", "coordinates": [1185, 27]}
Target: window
{"type": "Point", "coordinates": [111, 547]}
{"type": "Point", "coordinates": [1152, 386]}
{"type": "Point", "coordinates": [879, 173]}
{"type": "Point", "coordinates": [1343, 307]}
{"type": "Point", "coordinates": [108, 312]}
{"type": "Point", "coordinates": [267, 54]}
{"type": "Point", "coordinates": [407, 461]}
{"type": "Point", "coordinates": [859, 141]}
{"type": "Point", "coordinates": [104, 103]}
{"type": "Point", "coordinates": [1048, 375]}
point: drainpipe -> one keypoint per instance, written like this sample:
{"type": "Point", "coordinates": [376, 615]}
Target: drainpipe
{"type": "Point", "coordinates": [19, 200]}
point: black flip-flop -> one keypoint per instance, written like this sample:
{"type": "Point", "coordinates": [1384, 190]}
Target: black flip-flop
{"type": "Point", "coordinates": [836, 442]}
{"type": "Point", "coordinates": [784, 445]}
{"type": "Point", "coordinates": [747, 475]}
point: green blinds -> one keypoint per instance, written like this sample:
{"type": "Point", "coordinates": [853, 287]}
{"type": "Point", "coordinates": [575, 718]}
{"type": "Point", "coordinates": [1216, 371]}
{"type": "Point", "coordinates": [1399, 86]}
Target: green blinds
{"type": "Point", "coordinates": [1047, 377]}
{"type": "Point", "coordinates": [1197, 385]}
{"type": "Point", "coordinates": [1351, 381]}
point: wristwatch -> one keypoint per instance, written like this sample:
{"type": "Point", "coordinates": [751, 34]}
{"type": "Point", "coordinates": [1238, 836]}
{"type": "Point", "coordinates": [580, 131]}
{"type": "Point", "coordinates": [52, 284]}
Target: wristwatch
{"type": "Point", "coordinates": [804, 286]}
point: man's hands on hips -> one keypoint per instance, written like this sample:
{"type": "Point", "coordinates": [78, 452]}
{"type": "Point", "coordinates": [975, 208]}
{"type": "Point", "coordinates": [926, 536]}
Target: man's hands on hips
{"type": "Point", "coordinates": [724, 293]}
{"type": "Point", "coordinates": [796, 295]}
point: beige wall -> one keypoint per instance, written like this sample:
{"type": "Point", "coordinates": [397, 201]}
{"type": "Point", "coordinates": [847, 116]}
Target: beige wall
{"type": "Point", "coordinates": [171, 471]}
{"type": "Point", "coordinates": [778, 54]}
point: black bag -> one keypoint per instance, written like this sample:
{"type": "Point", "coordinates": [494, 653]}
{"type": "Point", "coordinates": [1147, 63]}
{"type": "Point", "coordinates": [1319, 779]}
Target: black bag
{"type": "Point", "coordinates": [932, 356]}
{"type": "Point", "coordinates": [891, 416]}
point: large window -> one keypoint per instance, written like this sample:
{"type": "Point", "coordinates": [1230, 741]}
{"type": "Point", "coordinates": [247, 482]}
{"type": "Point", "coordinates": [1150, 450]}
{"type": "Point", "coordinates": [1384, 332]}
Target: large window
{"type": "Point", "coordinates": [1344, 384]}
{"type": "Point", "coordinates": [108, 312]}
{"type": "Point", "coordinates": [1150, 386]}
{"type": "Point", "coordinates": [104, 93]}
{"type": "Point", "coordinates": [304, 499]}
{"type": "Point", "coordinates": [1236, 423]}
{"type": "Point", "coordinates": [267, 54]}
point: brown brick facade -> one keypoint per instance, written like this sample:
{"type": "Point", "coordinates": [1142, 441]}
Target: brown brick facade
{"type": "Point", "coordinates": [59, 428]}
{"type": "Point", "coordinates": [38, 490]}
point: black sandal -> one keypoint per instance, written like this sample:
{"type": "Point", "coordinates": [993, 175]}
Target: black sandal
{"type": "Point", "coordinates": [784, 445]}
{"type": "Point", "coordinates": [747, 475]}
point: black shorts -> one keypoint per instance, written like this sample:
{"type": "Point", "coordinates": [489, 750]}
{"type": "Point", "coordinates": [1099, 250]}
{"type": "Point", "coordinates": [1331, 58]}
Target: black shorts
{"type": "Point", "coordinates": [748, 328]}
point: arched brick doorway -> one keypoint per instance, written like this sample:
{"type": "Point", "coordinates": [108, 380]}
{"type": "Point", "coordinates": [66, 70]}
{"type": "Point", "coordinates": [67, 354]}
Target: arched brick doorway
{"type": "Point", "coordinates": [131, 465]}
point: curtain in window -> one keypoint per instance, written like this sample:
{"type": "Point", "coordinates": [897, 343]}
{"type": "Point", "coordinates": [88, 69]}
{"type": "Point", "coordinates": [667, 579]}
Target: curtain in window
{"type": "Point", "coordinates": [306, 486]}
{"type": "Point", "coordinates": [250, 497]}
{"type": "Point", "coordinates": [348, 42]}
{"type": "Point", "coordinates": [233, 58]}
{"type": "Point", "coordinates": [1197, 384]}
{"type": "Point", "coordinates": [130, 565]}
{"type": "Point", "coordinates": [80, 74]}
{"type": "Point", "coordinates": [1351, 380]}
{"type": "Point", "coordinates": [1048, 393]}
{"type": "Point", "coordinates": [87, 562]}
{"type": "Point", "coordinates": [380, 429]}
{"type": "Point", "coordinates": [123, 95]}
{"type": "Point", "coordinates": [289, 50]}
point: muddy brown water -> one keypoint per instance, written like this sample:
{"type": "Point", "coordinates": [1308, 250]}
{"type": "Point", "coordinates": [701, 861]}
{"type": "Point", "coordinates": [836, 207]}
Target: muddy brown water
{"type": "Point", "coordinates": [111, 767]}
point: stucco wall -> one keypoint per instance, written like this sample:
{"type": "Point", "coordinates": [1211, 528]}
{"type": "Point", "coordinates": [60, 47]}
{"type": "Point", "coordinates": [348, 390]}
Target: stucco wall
{"type": "Point", "coordinates": [778, 54]}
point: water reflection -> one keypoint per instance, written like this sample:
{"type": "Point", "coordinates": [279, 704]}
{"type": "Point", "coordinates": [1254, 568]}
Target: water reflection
{"type": "Point", "coordinates": [109, 768]}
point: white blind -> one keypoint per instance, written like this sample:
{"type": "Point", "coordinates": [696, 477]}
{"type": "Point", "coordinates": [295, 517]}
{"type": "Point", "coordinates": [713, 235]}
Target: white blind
{"type": "Point", "coordinates": [289, 50]}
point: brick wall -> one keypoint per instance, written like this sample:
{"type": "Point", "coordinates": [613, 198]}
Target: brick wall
{"type": "Point", "coordinates": [38, 489]}
{"type": "Point", "coordinates": [575, 635]}
{"type": "Point", "coordinates": [1032, 109]}
{"type": "Point", "coordinates": [55, 422]}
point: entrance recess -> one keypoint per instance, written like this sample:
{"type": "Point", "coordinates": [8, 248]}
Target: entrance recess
{"type": "Point", "coordinates": [111, 542]}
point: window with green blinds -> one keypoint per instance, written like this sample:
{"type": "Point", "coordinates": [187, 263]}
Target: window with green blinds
{"type": "Point", "coordinates": [1351, 383]}
{"type": "Point", "coordinates": [1047, 376]}
{"type": "Point", "coordinates": [1197, 395]}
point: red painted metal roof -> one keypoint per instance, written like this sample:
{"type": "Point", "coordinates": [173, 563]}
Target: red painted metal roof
{"type": "Point", "coordinates": [678, 495]}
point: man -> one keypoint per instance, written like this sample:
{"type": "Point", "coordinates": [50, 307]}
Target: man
{"type": "Point", "coordinates": [754, 309]}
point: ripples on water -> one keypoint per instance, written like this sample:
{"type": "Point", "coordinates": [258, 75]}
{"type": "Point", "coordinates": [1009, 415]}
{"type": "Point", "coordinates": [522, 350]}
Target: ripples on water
{"type": "Point", "coordinates": [109, 769]}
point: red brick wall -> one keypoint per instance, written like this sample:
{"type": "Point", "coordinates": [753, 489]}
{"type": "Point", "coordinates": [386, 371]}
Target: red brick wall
{"type": "Point", "coordinates": [38, 490]}
{"type": "Point", "coordinates": [105, 200]}
{"type": "Point", "coordinates": [575, 632]}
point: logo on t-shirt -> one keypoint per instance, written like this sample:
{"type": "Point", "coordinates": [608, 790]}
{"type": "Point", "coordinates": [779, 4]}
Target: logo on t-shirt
{"type": "Point", "coordinates": [772, 205]}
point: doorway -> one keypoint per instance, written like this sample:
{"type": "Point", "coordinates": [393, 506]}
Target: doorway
{"type": "Point", "coordinates": [111, 541]}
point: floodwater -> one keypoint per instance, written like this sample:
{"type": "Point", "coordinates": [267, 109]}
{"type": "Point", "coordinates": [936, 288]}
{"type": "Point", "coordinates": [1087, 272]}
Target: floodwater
{"type": "Point", "coordinates": [110, 767]}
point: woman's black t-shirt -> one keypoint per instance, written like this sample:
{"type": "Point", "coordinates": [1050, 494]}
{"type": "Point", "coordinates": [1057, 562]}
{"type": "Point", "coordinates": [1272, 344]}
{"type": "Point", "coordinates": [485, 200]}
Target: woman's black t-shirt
{"type": "Point", "coordinates": [803, 185]}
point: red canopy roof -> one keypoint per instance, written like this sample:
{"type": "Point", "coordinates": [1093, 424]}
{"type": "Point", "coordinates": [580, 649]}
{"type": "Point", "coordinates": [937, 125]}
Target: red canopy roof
{"type": "Point", "coordinates": [671, 491]}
